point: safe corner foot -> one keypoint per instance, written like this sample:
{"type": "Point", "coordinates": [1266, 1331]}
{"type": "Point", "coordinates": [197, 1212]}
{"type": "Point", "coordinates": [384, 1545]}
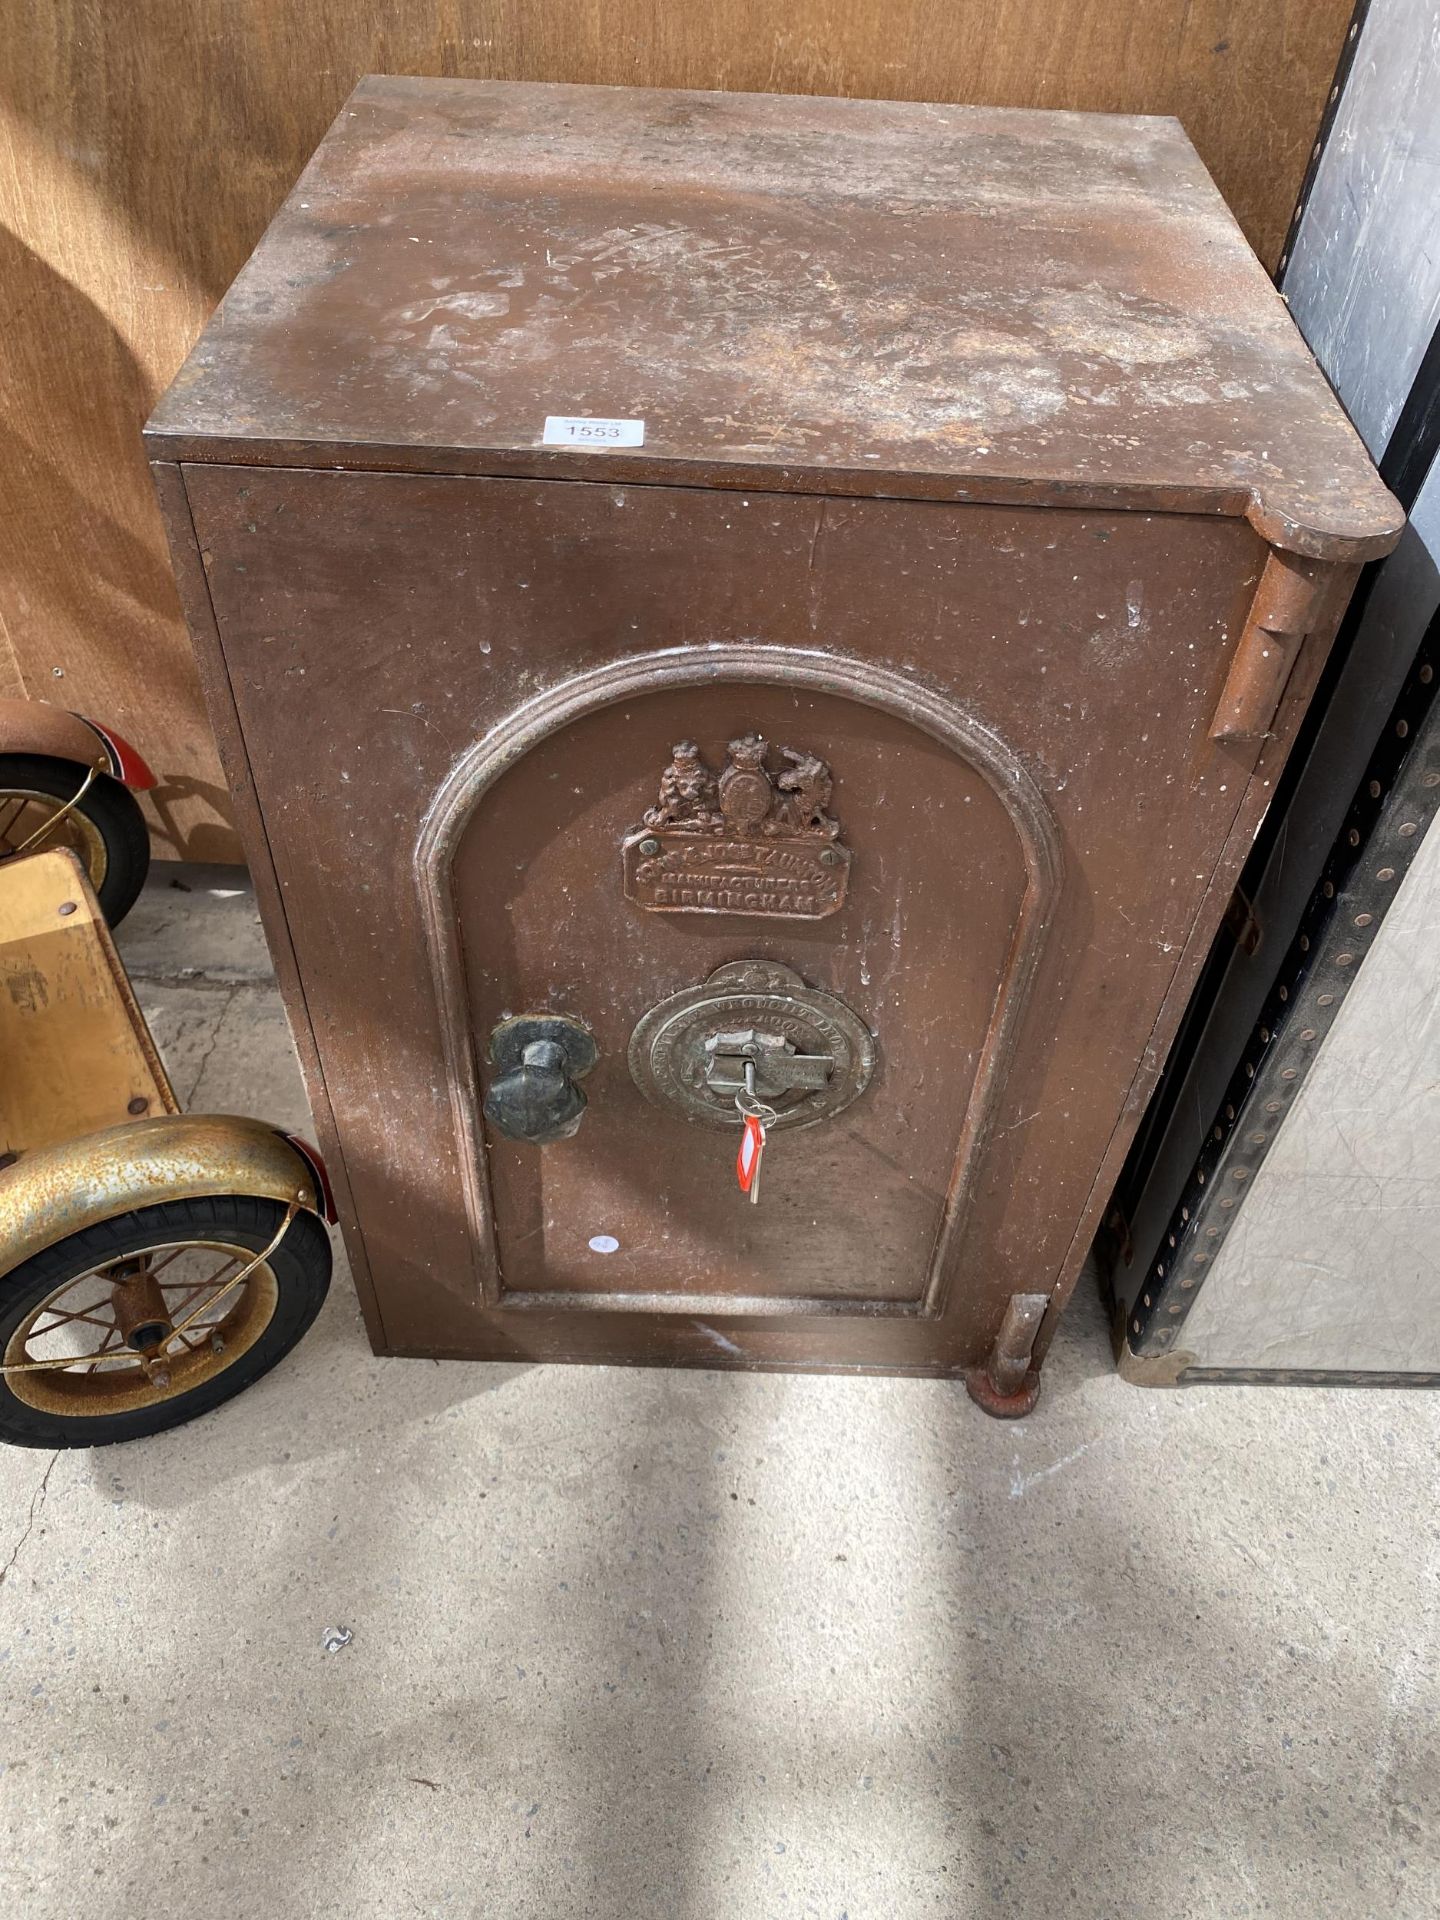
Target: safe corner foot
{"type": "Point", "coordinates": [1002, 1406]}
{"type": "Point", "coordinates": [1007, 1386]}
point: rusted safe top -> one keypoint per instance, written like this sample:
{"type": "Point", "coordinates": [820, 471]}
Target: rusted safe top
{"type": "Point", "coordinates": [850, 296]}
{"type": "Point", "coordinates": [716, 603]}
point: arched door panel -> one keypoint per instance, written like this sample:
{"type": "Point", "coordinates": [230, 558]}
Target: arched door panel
{"type": "Point", "coordinates": [643, 1202]}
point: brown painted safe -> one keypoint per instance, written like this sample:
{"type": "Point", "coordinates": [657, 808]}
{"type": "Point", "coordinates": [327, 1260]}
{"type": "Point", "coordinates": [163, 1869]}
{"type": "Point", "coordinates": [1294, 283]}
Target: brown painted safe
{"type": "Point", "coordinates": [726, 603]}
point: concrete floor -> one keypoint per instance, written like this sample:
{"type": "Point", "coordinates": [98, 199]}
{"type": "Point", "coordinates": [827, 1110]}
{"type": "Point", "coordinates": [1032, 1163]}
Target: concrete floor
{"type": "Point", "coordinates": [706, 1646]}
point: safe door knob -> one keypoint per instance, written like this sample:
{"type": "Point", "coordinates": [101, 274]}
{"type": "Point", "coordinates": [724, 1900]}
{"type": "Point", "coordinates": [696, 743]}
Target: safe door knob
{"type": "Point", "coordinates": [535, 1095]}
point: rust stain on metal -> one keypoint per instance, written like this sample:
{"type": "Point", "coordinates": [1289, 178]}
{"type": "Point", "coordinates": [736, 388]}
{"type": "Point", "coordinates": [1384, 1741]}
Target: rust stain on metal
{"type": "Point", "coordinates": [58, 1189]}
{"type": "Point", "coordinates": [1007, 1385]}
{"type": "Point", "coordinates": [965, 302]}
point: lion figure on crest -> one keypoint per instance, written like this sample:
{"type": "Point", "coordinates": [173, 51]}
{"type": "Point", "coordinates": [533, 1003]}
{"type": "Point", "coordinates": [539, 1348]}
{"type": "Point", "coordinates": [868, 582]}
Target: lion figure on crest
{"type": "Point", "coordinates": [805, 788]}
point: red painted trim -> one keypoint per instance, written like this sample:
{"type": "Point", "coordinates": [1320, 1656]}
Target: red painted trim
{"type": "Point", "coordinates": [311, 1157]}
{"type": "Point", "coordinates": [126, 765]}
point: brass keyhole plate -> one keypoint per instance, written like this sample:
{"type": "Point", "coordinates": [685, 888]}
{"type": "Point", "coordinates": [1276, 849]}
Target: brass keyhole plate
{"type": "Point", "coordinates": [670, 1059]}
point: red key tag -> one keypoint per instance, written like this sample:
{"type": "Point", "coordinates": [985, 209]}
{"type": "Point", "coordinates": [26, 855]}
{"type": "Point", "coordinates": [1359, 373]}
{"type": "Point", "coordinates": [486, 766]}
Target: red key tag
{"type": "Point", "coordinates": [747, 1161]}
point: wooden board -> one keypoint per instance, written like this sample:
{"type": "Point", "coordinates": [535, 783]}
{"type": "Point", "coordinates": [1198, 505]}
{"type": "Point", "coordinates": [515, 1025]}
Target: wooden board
{"type": "Point", "coordinates": [75, 1053]}
{"type": "Point", "coordinates": [143, 150]}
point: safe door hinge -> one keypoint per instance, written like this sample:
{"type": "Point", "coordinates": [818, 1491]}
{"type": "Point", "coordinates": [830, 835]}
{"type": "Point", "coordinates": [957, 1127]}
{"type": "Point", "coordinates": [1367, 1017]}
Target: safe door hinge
{"type": "Point", "coordinates": [1281, 614]}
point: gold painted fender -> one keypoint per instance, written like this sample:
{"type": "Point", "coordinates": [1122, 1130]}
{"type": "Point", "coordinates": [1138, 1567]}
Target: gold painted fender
{"type": "Point", "coordinates": [34, 726]}
{"type": "Point", "coordinates": [55, 1191]}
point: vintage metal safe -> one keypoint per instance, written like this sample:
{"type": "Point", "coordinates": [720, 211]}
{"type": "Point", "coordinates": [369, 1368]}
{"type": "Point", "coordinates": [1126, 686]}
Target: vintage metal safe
{"type": "Point", "coordinates": [720, 604]}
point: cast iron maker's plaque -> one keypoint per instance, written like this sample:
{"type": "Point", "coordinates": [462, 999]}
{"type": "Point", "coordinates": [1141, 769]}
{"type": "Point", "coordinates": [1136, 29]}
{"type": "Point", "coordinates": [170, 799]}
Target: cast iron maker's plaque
{"type": "Point", "coordinates": [750, 841]}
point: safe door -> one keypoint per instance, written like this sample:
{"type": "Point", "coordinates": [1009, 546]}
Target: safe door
{"type": "Point", "coordinates": [623, 811]}
{"type": "Point", "coordinates": [673, 880]}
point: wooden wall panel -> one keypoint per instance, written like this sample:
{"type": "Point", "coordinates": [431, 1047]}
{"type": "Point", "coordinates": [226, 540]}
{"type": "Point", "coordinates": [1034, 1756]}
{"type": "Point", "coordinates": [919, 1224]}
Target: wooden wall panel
{"type": "Point", "coordinates": [143, 147]}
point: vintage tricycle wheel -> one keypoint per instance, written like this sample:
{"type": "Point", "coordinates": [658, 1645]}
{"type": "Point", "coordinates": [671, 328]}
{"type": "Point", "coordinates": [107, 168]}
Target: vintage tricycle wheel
{"type": "Point", "coordinates": [105, 826]}
{"type": "Point", "coordinates": [141, 1303]}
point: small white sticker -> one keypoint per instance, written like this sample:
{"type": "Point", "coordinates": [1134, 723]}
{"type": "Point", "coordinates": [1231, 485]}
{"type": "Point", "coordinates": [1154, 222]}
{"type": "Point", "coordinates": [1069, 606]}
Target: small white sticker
{"type": "Point", "coordinates": [561, 431]}
{"type": "Point", "coordinates": [604, 1243]}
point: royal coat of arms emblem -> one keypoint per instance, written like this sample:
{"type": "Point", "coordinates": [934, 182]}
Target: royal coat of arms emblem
{"type": "Point", "coordinates": [749, 840]}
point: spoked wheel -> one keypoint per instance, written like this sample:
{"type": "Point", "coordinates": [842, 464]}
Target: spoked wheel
{"type": "Point", "coordinates": [142, 1322]}
{"type": "Point", "coordinates": [104, 826]}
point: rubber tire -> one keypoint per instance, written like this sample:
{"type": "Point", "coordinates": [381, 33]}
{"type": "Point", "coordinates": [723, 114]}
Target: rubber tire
{"type": "Point", "coordinates": [301, 1266]}
{"type": "Point", "coordinates": [111, 809]}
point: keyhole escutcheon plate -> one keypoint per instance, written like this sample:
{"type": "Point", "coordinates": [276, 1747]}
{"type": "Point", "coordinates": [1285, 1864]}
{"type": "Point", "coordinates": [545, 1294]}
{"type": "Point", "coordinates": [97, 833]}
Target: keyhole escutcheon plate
{"type": "Point", "coordinates": [673, 1050]}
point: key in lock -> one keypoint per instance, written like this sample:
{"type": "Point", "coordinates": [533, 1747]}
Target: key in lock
{"type": "Point", "coordinates": [809, 1055]}
{"type": "Point", "coordinates": [756, 1121]}
{"type": "Point", "coordinates": [775, 1065]}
